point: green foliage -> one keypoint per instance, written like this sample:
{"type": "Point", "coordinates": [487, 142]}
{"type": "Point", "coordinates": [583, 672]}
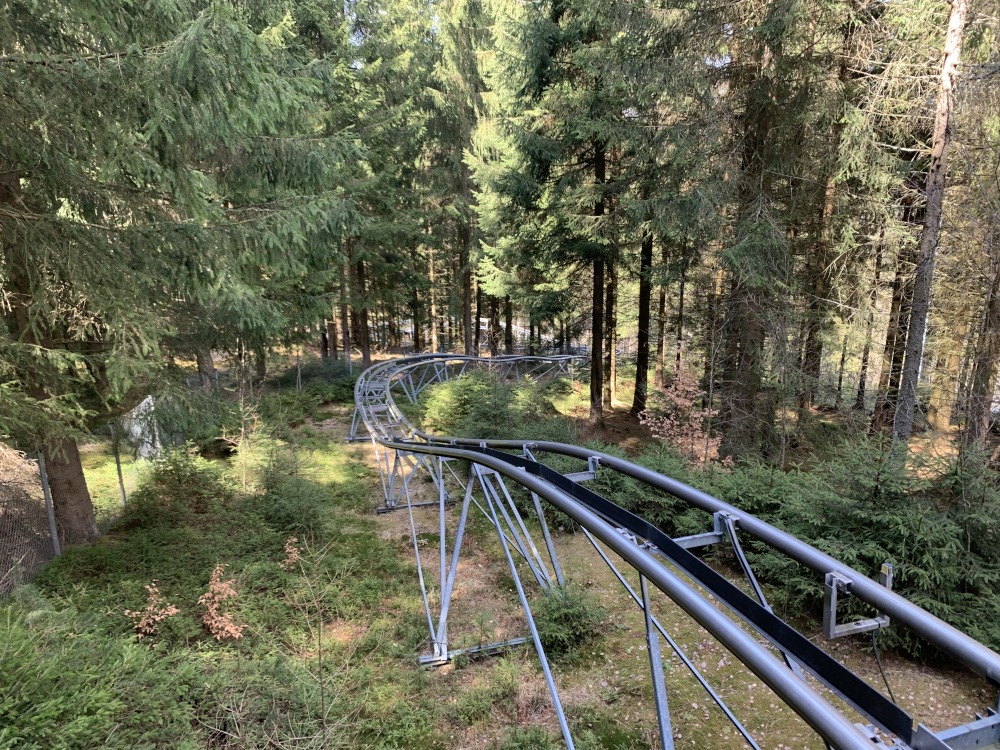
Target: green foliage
{"type": "Point", "coordinates": [483, 406]}
{"type": "Point", "coordinates": [861, 507]}
{"type": "Point", "coordinates": [291, 504]}
{"type": "Point", "coordinates": [73, 674]}
{"type": "Point", "coordinates": [497, 692]}
{"type": "Point", "coordinates": [567, 618]}
{"type": "Point", "coordinates": [527, 738]}
{"type": "Point", "coordinates": [325, 379]}
{"type": "Point", "coordinates": [600, 730]}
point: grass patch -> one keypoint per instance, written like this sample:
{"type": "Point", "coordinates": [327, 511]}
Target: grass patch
{"type": "Point", "coordinates": [311, 660]}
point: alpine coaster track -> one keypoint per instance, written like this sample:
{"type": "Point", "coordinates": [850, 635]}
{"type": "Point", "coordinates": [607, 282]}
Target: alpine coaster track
{"type": "Point", "coordinates": [403, 451]}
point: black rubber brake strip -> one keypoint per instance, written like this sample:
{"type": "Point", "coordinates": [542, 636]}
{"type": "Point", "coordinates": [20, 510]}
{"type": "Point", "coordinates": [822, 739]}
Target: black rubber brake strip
{"type": "Point", "coordinates": [845, 683]}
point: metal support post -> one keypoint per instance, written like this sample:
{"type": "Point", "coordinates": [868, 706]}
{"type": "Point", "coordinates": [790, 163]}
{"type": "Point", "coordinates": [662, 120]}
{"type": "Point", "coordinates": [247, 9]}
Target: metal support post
{"type": "Point", "coordinates": [115, 446]}
{"type": "Point", "coordinates": [53, 530]}
{"type": "Point", "coordinates": [656, 670]}
{"type": "Point", "coordinates": [536, 639]}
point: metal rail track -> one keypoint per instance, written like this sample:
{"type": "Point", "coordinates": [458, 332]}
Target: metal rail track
{"type": "Point", "coordinates": [403, 451]}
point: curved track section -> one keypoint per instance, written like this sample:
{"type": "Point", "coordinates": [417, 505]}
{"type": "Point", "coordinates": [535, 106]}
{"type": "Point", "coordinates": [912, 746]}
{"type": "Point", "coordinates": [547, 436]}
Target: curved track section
{"type": "Point", "coordinates": [481, 473]}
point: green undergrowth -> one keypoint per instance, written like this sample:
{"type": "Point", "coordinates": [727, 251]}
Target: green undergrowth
{"type": "Point", "coordinates": [937, 524]}
{"type": "Point", "coordinates": [482, 405]}
{"type": "Point", "coordinates": [313, 649]}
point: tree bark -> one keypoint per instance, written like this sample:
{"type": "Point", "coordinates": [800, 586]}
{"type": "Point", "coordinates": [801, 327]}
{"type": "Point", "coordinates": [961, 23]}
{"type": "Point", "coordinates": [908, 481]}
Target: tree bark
{"type": "Point", "coordinates": [344, 315]}
{"type": "Point", "coordinates": [206, 366]}
{"type": "Point", "coordinates": [475, 325]}
{"type": "Point", "coordinates": [610, 336]}
{"type": "Point", "coordinates": [840, 375]}
{"type": "Point", "coordinates": [946, 377]}
{"type": "Point", "coordinates": [435, 344]}
{"type": "Point", "coordinates": [363, 333]}
{"type": "Point", "coordinates": [493, 332]}
{"type": "Point", "coordinates": [508, 325]}
{"type": "Point", "coordinates": [902, 426]}
{"type": "Point", "coordinates": [859, 401]}
{"type": "Point", "coordinates": [597, 346]}
{"type": "Point", "coordinates": [894, 351]}
{"type": "Point", "coordinates": [640, 394]}
{"type": "Point", "coordinates": [661, 326]}
{"type": "Point", "coordinates": [331, 335]}
{"type": "Point", "coordinates": [742, 377]}
{"type": "Point", "coordinates": [71, 501]}
{"type": "Point", "coordinates": [679, 341]}
{"type": "Point", "coordinates": [982, 383]}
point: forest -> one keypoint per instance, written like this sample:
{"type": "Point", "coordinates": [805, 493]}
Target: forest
{"type": "Point", "coordinates": [769, 228]}
{"type": "Point", "coordinates": [793, 205]}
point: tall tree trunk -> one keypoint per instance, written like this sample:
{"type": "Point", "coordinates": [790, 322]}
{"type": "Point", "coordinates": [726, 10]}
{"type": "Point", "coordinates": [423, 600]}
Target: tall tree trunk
{"type": "Point", "coordinates": [475, 325]}
{"type": "Point", "coordinates": [679, 341]}
{"type": "Point", "coordinates": [466, 296]}
{"type": "Point", "coordinates": [71, 501]}
{"type": "Point", "coordinates": [417, 322]}
{"type": "Point", "coordinates": [895, 339]}
{"type": "Point", "coordinates": [435, 344]}
{"type": "Point", "coordinates": [331, 335]}
{"type": "Point", "coordinates": [840, 375]}
{"type": "Point", "coordinates": [363, 333]}
{"type": "Point", "coordinates": [946, 377]}
{"type": "Point", "coordinates": [823, 257]}
{"type": "Point", "coordinates": [493, 332]}
{"type": "Point", "coordinates": [206, 366]}
{"type": "Point", "coordinates": [324, 342]}
{"type": "Point", "coordinates": [742, 377]}
{"type": "Point", "coordinates": [260, 362]}
{"type": "Point", "coordinates": [531, 335]}
{"type": "Point", "coordinates": [859, 401]}
{"type": "Point", "coordinates": [345, 315]}
{"type": "Point", "coordinates": [642, 344]}
{"type": "Point", "coordinates": [508, 325]}
{"type": "Point", "coordinates": [661, 326]}
{"type": "Point", "coordinates": [597, 302]}
{"type": "Point", "coordinates": [982, 384]}
{"type": "Point", "coordinates": [610, 337]}
{"type": "Point", "coordinates": [597, 346]}
{"type": "Point", "coordinates": [902, 425]}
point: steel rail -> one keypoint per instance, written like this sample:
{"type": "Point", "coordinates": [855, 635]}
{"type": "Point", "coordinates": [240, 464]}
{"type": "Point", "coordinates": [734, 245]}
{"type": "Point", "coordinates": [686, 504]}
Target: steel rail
{"type": "Point", "coordinates": [392, 431]}
{"type": "Point", "coordinates": [815, 710]}
{"type": "Point", "coordinates": [971, 653]}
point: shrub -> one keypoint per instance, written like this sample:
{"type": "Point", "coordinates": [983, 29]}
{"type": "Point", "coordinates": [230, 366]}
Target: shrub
{"type": "Point", "coordinates": [567, 618]}
{"type": "Point", "coordinates": [291, 504]}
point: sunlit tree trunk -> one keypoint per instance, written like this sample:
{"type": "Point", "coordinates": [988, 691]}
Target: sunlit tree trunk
{"type": "Point", "coordinates": [902, 425]}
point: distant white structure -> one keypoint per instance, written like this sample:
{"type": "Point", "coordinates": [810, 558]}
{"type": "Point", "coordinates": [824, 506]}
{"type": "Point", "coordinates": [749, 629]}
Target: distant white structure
{"type": "Point", "coordinates": [139, 427]}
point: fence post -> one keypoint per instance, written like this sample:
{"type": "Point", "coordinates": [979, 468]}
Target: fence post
{"type": "Point", "coordinates": [53, 531]}
{"type": "Point", "coordinates": [118, 463]}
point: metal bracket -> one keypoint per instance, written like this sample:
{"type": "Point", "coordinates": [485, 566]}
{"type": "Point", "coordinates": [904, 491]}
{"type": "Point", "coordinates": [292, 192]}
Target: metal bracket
{"type": "Point", "coordinates": [715, 536]}
{"type": "Point", "coordinates": [837, 584]}
{"type": "Point", "coordinates": [585, 476]}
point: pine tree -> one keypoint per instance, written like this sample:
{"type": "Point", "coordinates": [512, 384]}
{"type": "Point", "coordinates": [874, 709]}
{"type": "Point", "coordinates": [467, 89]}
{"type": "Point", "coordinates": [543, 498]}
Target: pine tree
{"type": "Point", "coordinates": [121, 209]}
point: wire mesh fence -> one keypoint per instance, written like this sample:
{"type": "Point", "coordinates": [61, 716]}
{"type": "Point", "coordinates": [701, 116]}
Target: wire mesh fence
{"type": "Point", "coordinates": [26, 538]}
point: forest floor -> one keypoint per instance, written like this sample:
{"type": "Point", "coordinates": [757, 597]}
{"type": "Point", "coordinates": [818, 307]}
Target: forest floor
{"type": "Point", "coordinates": [606, 685]}
{"type": "Point", "coordinates": [328, 653]}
